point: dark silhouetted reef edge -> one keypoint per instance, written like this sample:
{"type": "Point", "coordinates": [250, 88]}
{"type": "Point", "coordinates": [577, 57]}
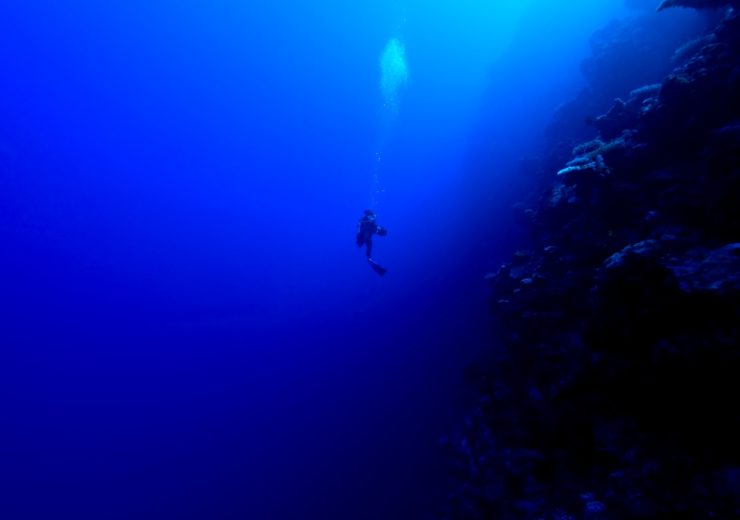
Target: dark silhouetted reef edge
{"type": "Point", "coordinates": [613, 394]}
{"type": "Point", "coordinates": [697, 4]}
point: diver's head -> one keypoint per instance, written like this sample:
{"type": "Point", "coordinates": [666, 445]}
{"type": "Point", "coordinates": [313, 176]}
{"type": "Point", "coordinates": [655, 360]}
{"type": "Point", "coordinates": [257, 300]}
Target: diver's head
{"type": "Point", "coordinates": [369, 213]}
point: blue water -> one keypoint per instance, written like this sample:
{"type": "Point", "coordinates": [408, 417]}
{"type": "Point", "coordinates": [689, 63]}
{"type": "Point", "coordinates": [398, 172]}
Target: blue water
{"type": "Point", "coordinates": [188, 330]}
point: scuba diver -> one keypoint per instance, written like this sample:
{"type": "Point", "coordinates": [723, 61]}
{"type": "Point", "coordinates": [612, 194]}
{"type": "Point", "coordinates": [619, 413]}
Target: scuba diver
{"type": "Point", "coordinates": [366, 228]}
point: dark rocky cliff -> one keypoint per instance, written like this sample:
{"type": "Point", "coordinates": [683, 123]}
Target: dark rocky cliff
{"type": "Point", "coordinates": [614, 392]}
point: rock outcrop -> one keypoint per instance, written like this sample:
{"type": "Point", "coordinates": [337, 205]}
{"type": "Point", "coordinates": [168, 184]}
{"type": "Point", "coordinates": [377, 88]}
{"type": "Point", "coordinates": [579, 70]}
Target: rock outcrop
{"type": "Point", "coordinates": [613, 395]}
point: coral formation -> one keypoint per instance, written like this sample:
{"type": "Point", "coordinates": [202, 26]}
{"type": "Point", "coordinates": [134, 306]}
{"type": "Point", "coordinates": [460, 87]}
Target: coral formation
{"type": "Point", "coordinates": [625, 55]}
{"type": "Point", "coordinates": [611, 395]}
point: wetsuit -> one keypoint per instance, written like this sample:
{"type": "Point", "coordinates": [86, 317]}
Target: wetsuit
{"type": "Point", "coordinates": [366, 228]}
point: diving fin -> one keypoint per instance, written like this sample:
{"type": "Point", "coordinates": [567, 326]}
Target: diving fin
{"type": "Point", "coordinates": [377, 267]}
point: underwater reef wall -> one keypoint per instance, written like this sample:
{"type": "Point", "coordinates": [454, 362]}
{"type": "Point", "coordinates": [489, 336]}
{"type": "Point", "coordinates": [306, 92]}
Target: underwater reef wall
{"type": "Point", "coordinates": [626, 54]}
{"type": "Point", "coordinates": [614, 392]}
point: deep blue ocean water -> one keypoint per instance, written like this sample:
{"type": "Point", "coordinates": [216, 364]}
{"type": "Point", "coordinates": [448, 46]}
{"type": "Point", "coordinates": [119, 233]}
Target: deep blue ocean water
{"type": "Point", "coordinates": [188, 329]}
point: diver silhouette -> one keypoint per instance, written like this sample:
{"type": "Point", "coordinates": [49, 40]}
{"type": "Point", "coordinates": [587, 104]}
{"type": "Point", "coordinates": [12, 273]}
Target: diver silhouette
{"type": "Point", "coordinates": [366, 228]}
